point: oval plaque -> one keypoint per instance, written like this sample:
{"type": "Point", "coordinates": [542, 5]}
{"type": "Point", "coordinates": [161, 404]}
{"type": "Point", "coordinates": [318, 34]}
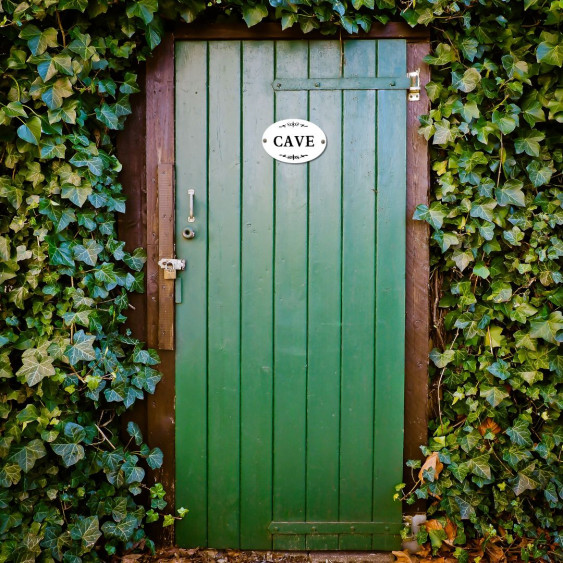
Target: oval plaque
{"type": "Point", "coordinates": [294, 141]}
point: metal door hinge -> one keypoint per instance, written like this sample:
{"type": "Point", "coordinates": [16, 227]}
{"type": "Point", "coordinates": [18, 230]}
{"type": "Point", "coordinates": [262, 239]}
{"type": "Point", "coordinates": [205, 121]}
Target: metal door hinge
{"type": "Point", "coordinates": [414, 89]}
{"type": "Point", "coordinates": [170, 266]}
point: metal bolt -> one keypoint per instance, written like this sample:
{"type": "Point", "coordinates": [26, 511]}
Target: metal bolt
{"type": "Point", "coordinates": [276, 529]}
{"type": "Point", "coordinates": [278, 84]}
{"type": "Point", "coordinates": [314, 529]}
{"type": "Point", "coordinates": [317, 84]}
{"type": "Point", "coordinates": [392, 83]}
{"type": "Point", "coordinates": [264, 140]}
{"type": "Point", "coordinates": [323, 141]}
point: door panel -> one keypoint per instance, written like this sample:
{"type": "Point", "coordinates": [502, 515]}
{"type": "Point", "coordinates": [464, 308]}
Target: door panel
{"type": "Point", "coordinates": [290, 329]}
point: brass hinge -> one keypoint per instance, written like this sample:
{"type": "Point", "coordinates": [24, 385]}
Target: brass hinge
{"type": "Point", "coordinates": [414, 89]}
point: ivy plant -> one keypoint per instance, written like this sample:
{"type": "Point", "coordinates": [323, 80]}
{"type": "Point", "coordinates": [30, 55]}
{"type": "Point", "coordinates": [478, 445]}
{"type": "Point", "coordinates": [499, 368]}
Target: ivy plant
{"type": "Point", "coordinates": [70, 486]}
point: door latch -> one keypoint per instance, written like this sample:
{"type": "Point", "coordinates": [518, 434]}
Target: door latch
{"type": "Point", "coordinates": [414, 88]}
{"type": "Point", "coordinates": [170, 266]}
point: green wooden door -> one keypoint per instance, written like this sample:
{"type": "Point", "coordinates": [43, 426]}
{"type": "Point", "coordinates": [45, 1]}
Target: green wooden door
{"type": "Point", "coordinates": [290, 314]}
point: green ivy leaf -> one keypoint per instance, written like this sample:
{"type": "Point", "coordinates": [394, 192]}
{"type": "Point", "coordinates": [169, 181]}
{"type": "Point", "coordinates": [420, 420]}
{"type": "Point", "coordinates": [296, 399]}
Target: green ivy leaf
{"type": "Point", "coordinates": [35, 367]}
{"type": "Point", "coordinates": [550, 53]}
{"type": "Point", "coordinates": [547, 328]}
{"type": "Point", "coordinates": [520, 434]}
{"type": "Point", "coordinates": [434, 215]}
{"type": "Point", "coordinates": [524, 482]}
{"type": "Point", "coordinates": [26, 455]}
{"type": "Point", "coordinates": [69, 452]}
{"type": "Point", "coordinates": [30, 131]}
{"type": "Point", "coordinates": [493, 395]}
{"type": "Point", "coordinates": [529, 143]}
{"type": "Point", "coordinates": [86, 530]}
{"type": "Point", "coordinates": [77, 194]}
{"type": "Point", "coordinates": [468, 81]}
{"type": "Point", "coordinates": [120, 530]}
{"type": "Point", "coordinates": [81, 349]}
{"type": "Point", "coordinates": [254, 14]}
{"type": "Point", "coordinates": [155, 458]}
{"type": "Point", "coordinates": [87, 252]}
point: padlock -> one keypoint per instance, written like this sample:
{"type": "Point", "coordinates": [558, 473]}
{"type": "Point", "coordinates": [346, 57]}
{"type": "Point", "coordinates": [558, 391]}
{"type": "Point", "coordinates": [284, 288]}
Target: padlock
{"type": "Point", "coordinates": [169, 273]}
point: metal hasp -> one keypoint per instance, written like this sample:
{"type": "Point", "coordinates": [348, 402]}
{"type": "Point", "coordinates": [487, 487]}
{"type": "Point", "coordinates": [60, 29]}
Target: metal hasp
{"type": "Point", "coordinates": [191, 193]}
{"type": "Point", "coordinates": [414, 89]}
{"type": "Point", "coordinates": [346, 83]}
{"type": "Point", "coordinates": [170, 266]}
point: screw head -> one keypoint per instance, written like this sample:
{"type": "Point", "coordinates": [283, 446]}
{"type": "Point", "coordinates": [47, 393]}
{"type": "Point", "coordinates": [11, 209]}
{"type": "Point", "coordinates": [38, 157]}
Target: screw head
{"type": "Point", "coordinates": [317, 84]}
{"type": "Point", "coordinates": [392, 83]}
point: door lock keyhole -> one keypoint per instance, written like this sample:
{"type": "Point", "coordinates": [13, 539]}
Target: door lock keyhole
{"type": "Point", "coordinates": [188, 233]}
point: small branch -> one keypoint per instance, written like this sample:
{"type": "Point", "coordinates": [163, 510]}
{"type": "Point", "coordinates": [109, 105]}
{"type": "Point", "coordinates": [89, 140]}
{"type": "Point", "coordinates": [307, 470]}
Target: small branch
{"type": "Point", "coordinates": [61, 28]}
{"type": "Point", "coordinates": [104, 436]}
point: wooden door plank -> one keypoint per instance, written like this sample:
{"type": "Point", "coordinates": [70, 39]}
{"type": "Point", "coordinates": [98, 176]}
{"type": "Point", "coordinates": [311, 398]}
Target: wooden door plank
{"type": "Point", "coordinates": [256, 298]}
{"type": "Point", "coordinates": [290, 311]}
{"type": "Point", "coordinates": [191, 317]}
{"type": "Point", "coordinates": [159, 149]}
{"type": "Point", "coordinates": [418, 271]}
{"type": "Point", "coordinates": [358, 286]}
{"type": "Point", "coordinates": [323, 382]}
{"type": "Point", "coordinates": [224, 293]}
{"type": "Point", "coordinates": [390, 272]}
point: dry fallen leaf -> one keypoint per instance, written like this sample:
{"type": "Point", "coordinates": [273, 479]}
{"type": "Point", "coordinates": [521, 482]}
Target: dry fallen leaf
{"type": "Point", "coordinates": [495, 553]}
{"type": "Point", "coordinates": [451, 531]}
{"type": "Point", "coordinates": [433, 525]}
{"type": "Point", "coordinates": [432, 462]}
{"type": "Point", "coordinates": [489, 424]}
{"type": "Point", "coordinates": [404, 557]}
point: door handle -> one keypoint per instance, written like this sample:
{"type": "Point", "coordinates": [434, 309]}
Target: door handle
{"type": "Point", "coordinates": [191, 217]}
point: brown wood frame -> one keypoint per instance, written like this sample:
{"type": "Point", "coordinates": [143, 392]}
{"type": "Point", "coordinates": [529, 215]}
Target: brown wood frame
{"type": "Point", "coordinates": [146, 149]}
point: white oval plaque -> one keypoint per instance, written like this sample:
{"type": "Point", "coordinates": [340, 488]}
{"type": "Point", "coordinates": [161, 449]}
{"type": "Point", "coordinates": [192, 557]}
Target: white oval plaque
{"type": "Point", "coordinates": [294, 141]}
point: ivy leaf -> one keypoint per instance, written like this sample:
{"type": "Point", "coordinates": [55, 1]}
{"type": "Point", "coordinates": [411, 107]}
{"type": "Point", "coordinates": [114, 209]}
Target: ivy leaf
{"type": "Point", "coordinates": [81, 349]}
{"type": "Point", "coordinates": [520, 434]}
{"type": "Point", "coordinates": [254, 14]}
{"type": "Point", "coordinates": [466, 511]}
{"type": "Point", "coordinates": [143, 9]}
{"type": "Point", "coordinates": [135, 432]}
{"type": "Point", "coordinates": [30, 131]}
{"type": "Point", "coordinates": [120, 530]}
{"type": "Point", "coordinates": [548, 328]}
{"type": "Point", "coordinates": [136, 260]}
{"type": "Point", "coordinates": [468, 81]}
{"type": "Point", "coordinates": [443, 134]}
{"type": "Point", "coordinates": [77, 194]}
{"type": "Point", "coordinates": [69, 452]}
{"type": "Point", "coordinates": [441, 360]}
{"type": "Point", "coordinates": [539, 175]}
{"type": "Point", "coordinates": [35, 367]}
{"type": "Point", "coordinates": [87, 530]}
{"type": "Point", "coordinates": [493, 395]}
{"type": "Point", "coordinates": [38, 40]}
{"type": "Point", "coordinates": [155, 458]}
{"type": "Point", "coordinates": [88, 252]}
{"type": "Point", "coordinates": [444, 54]}
{"type": "Point", "coordinates": [54, 95]}
{"type": "Point", "coordinates": [483, 209]}
{"type": "Point", "coordinates": [81, 46]}
{"type": "Point", "coordinates": [524, 482]}
{"type": "Point", "coordinates": [107, 116]}
{"type": "Point", "coordinates": [480, 466]}
{"type": "Point", "coordinates": [148, 357]}
{"type": "Point", "coordinates": [510, 194]}
{"type": "Point", "coordinates": [462, 258]}
{"type": "Point", "coordinates": [550, 53]}
{"type": "Point", "coordinates": [529, 143]}
{"type": "Point", "coordinates": [434, 215]}
{"type": "Point", "coordinates": [26, 455]}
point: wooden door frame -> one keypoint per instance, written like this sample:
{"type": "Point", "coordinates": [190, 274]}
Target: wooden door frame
{"type": "Point", "coordinates": [148, 183]}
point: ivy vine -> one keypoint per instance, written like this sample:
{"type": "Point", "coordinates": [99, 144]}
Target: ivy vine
{"type": "Point", "coordinates": [69, 485]}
